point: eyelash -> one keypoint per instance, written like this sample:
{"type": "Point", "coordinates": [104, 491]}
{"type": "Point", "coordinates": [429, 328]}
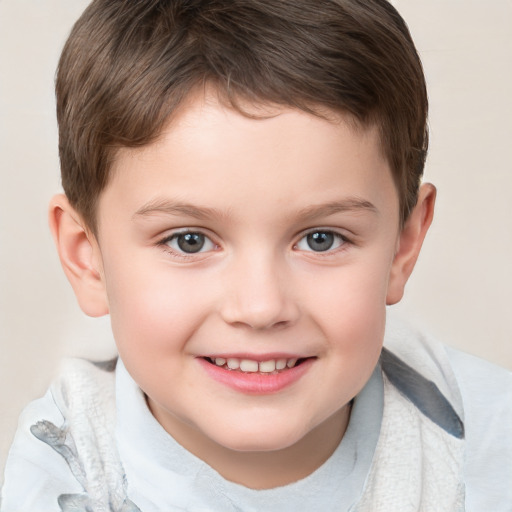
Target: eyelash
{"type": "Point", "coordinates": [164, 243]}
{"type": "Point", "coordinates": [176, 253]}
{"type": "Point", "coordinates": [344, 241]}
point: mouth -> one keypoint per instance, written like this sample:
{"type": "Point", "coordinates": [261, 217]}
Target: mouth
{"type": "Point", "coordinates": [256, 376]}
{"type": "Point", "coordinates": [267, 367]}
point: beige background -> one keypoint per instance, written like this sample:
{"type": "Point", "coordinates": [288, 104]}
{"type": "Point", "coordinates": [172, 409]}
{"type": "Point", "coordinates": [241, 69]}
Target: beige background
{"type": "Point", "coordinates": [462, 288]}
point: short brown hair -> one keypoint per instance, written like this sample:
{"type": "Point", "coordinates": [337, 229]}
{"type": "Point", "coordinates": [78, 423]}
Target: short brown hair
{"type": "Point", "coordinates": [127, 66]}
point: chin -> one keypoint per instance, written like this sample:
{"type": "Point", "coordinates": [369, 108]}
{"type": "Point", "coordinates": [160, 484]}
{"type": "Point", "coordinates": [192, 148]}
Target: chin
{"type": "Point", "coordinates": [265, 440]}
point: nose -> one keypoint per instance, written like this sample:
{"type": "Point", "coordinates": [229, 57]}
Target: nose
{"type": "Point", "coordinates": [257, 293]}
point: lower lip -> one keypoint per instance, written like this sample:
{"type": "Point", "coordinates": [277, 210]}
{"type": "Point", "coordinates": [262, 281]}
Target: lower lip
{"type": "Point", "coordinates": [256, 383]}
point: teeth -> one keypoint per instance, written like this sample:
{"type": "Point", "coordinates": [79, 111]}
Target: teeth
{"type": "Point", "coordinates": [267, 366]}
{"type": "Point", "coordinates": [246, 365]}
{"type": "Point", "coordinates": [280, 364]}
{"type": "Point", "coordinates": [251, 366]}
{"type": "Point", "coordinates": [233, 364]}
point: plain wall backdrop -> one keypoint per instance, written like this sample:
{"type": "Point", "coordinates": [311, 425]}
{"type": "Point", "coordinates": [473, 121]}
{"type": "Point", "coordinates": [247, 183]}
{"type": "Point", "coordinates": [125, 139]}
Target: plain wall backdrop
{"type": "Point", "coordinates": [461, 288]}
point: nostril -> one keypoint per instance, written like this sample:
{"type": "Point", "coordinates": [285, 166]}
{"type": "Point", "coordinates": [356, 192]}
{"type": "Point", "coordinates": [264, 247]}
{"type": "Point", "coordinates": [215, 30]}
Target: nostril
{"type": "Point", "coordinates": [261, 326]}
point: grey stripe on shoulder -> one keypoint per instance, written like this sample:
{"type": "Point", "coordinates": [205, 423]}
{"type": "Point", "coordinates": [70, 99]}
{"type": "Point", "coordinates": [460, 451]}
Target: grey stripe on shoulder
{"type": "Point", "coordinates": [423, 393]}
{"type": "Point", "coordinates": [108, 366]}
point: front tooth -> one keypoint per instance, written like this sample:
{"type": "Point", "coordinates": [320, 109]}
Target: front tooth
{"type": "Point", "coordinates": [220, 361]}
{"type": "Point", "coordinates": [291, 363]}
{"type": "Point", "coordinates": [233, 364]}
{"type": "Point", "coordinates": [280, 364]}
{"type": "Point", "coordinates": [246, 365]}
{"type": "Point", "coordinates": [267, 366]}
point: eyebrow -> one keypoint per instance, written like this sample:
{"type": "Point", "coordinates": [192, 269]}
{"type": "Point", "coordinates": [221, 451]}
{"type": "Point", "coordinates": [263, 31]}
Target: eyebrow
{"type": "Point", "coordinates": [176, 208]}
{"type": "Point", "coordinates": [351, 204]}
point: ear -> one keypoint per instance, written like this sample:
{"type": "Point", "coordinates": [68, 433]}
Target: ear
{"type": "Point", "coordinates": [79, 255]}
{"type": "Point", "coordinates": [410, 242]}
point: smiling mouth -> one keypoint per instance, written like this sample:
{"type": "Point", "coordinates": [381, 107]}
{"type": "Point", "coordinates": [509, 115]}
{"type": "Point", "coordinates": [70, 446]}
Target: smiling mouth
{"type": "Point", "coordinates": [269, 367]}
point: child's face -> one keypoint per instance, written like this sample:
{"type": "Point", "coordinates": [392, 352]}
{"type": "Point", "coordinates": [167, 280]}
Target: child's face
{"type": "Point", "coordinates": [251, 241]}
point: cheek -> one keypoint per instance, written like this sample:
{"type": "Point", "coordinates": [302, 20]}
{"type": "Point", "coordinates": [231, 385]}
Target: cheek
{"type": "Point", "coordinates": [350, 310]}
{"type": "Point", "coordinates": [353, 294]}
{"type": "Point", "coordinates": [154, 310]}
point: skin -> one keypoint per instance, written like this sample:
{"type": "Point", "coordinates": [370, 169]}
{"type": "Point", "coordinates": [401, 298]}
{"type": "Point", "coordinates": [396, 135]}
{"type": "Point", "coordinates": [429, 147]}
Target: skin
{"type": "Point", "coordinates": [255, 188]}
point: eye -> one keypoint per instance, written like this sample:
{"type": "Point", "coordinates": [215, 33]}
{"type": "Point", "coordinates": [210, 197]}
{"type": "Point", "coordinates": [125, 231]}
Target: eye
{"type": "Point", "coordinates": [189, 242]}
{"type": "Point", "coordinates": [321, 241]}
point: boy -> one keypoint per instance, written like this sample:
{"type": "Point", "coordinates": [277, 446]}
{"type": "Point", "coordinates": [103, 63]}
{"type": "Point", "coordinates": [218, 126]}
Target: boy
{"type": "Point", "coordinates": [243, 199]}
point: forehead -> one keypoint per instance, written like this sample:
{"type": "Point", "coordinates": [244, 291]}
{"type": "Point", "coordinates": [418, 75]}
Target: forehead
{"type": "Point", "coordinates": [212, 155]}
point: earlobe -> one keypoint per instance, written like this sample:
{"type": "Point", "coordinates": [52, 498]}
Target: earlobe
{"type": "Point", "coordinates": [79, 256]}
{"type": "Point", "coordinates": [410, 241]}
